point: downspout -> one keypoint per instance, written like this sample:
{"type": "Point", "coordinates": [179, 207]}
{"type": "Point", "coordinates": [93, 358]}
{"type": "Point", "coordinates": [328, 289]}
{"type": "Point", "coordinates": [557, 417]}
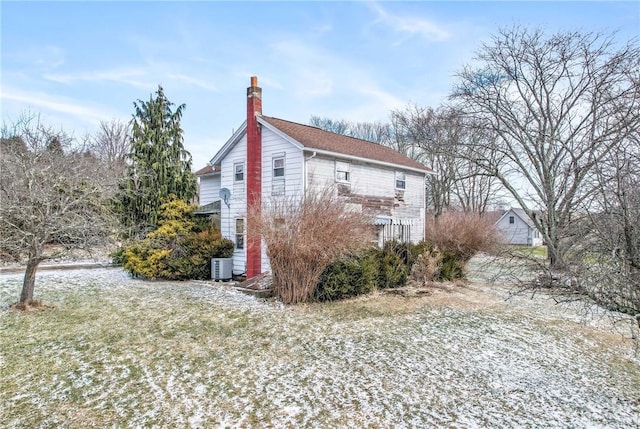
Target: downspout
{"type": "Point", "coordinates": [304, 172]}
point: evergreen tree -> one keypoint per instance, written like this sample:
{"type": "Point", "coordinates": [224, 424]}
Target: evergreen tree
{"type": "Point", "coordinates": [159, 166]}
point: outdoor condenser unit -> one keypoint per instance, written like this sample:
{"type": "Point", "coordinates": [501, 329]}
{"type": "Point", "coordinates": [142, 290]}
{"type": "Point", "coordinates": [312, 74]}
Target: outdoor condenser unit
{"type": "Point", "coordinates": [221, 268]}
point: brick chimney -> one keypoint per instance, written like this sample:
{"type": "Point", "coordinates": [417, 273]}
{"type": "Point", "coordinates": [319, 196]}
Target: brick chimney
{"type": "Point", "coordinates": [254, 177]}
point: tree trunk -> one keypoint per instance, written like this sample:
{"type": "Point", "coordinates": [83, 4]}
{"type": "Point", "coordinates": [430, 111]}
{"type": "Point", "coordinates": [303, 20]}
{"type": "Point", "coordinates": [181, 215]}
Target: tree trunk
{"type": "Point", "coordinates": [26, 297]}
{"type": "Point", "coordinates": [556, 260]}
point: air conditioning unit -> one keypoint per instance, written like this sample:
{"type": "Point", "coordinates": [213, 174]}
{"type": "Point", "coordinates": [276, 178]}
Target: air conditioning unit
{"type": "Point", "coordinates": [221, 268]}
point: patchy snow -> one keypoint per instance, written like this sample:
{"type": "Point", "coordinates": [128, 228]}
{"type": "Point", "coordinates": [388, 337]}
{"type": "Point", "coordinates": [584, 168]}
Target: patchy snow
{"type": "Point", "coordinates": [122, 352]}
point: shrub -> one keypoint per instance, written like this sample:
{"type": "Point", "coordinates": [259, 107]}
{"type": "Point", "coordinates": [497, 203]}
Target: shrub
{"type": "Point", "coordinates": [462, 234]}
{"type": "Point", "coordinates": [191, 258]}
{"type": "Point", "coordinates": [436, 265]}
{"type": "Point", "coordinates": [176, 250]}
{"type": "Point", "coordinates": [427, 267]}
{"type": "Point", "coordinates": [401, 249]}
{"type": "Point", "coordinates": [392, 270]}
{"type": "Point", "coordinates": [304, 236]}
{"type": "Point", "coordinates": [452, 268]}
{"type": "Point", "coordinates": [350, 276]}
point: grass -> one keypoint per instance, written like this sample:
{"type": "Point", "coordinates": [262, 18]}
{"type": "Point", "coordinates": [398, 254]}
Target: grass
{"type": "Point", "coordinates": [123, 353]}
{"type": "Point", "coordinates": [531, 251]}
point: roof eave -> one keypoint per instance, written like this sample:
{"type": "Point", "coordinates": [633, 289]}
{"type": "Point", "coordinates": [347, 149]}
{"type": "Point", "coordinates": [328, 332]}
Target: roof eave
{"type": "Point", "coordinates": [214, 173]}
{"type": "Point", "coordinates": [217, 158]}
{"type": "Point", "coordinates": [369, 160]}
{"type": "Point", "coordinates": [281, 134]}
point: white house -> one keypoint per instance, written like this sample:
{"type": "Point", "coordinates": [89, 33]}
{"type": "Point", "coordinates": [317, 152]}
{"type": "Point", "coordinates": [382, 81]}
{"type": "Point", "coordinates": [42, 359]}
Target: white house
{"type": "Point", "coordinates": [272, 158]}
{"type": "Point", "coordinates": [518, 228]}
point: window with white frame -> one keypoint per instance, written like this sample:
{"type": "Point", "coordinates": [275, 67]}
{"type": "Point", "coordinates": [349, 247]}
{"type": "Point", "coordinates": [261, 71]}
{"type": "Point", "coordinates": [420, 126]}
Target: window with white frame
{"type": "Point", "coordinates": [401, 180]}
{"type": "Point", "coordinates": [278, 166]}
{"type": "Point", "coordinates": [238, 172]}
{"type": "Point", "coordinates": [343, 171]}
{"type": "Point", "coordinates": [277, 181]}
{"type": "Point", "coordinates": [512, 219]}
{"type": "Point", "coordinates": [239, 233]}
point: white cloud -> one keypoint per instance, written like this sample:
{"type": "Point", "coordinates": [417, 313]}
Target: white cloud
{"type": "Point", "coordinates": [39, 101]}
{"type": "Point", "coordinates": [126, 76]}
{"type": "Point", "coordinates": [314, 76]}
{"type": "Point", "coordinates": [42, 57]}
{"type": "Point", "coordinates": [192, 81]}
{"type": "Point", "coordinates": [138, 77]}
{"type": "Point", "coordinates": [411, 25]}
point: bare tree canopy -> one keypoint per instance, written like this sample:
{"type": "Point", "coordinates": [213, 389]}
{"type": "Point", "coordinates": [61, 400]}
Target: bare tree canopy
{"type": "Point", "coordinates": [558, 104]}
{"type": "Point", "coordinates": [51, 194]}
{"type": "Point", "coordinates": [439, 138]}
{"type": "Point", "coordinates": [377, 132]}
{"type": "Point", "coordinates": [111, 143]}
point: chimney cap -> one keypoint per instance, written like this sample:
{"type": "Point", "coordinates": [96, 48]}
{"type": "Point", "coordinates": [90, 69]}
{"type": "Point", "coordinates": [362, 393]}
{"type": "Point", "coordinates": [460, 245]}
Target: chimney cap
{"type": "Point", "coordinates": [254, 80]}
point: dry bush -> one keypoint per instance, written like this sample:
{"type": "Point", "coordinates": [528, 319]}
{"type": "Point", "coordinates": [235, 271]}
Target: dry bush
{"type": "Point", "coordinates": [304, 237]}
{"type": "Point", "coordinates": [427, 267]}
{"type": "Point", "coordinates": [463, 234]}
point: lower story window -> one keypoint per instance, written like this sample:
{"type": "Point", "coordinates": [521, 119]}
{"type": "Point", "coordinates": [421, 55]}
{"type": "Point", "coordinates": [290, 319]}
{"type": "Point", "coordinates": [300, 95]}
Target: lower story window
{"type": "Point", "coordinates": [239, 233]}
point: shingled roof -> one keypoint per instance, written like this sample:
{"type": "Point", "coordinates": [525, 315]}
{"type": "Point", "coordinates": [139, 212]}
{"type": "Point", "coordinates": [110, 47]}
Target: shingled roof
{"type": "Point", "coordinates": [315, 138]}
{"type": "Point", "coordinates": [209, 169]}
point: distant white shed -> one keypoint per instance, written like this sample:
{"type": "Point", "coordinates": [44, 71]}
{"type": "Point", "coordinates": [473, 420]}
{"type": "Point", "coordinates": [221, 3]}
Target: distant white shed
{"type": "Point", "coordinates": [518, 228]}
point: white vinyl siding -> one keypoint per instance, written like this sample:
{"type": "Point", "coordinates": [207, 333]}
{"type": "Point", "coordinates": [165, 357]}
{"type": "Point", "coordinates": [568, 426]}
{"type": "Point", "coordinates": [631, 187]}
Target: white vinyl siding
{"type": "Point", "coordinates": [373, 180]}
{"type": "Point", "coordinates": [209, 189]}
{"type": "Point", "coordinates": [288, 186]}
{"type": "Point", "coordinates": [237, 202]}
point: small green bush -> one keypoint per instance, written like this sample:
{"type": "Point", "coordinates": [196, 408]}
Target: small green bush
{"type": "Point", "coordinates": [392, 270]}
{"type": "Point", "coordinates": [452, 267]}
{"type": "Point", "coordinates": [402, 249]}
{"type": "Point", "coordinates": [361, 273]}
{"type": "Point", "coordinates": [350, 276]}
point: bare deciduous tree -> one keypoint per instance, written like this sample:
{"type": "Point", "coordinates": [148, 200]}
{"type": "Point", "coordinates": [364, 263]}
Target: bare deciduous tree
{"type": "Point", "coordinates": [440, 138]}
{"type": "Point", "coordinates": [377, 132]}
{"type": "Point", "coordinates": [48, 196]}
{"type": "Point", "coordinates": [558, 104]}
{"type": "Point", "coordinates": [611, 274]}
{"type": "Point", "coordinates": [111, 144]}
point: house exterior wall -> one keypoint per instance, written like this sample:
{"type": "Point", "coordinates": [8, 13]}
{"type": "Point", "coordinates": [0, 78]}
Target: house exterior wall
{"type": "Point", "coordinates": [372, 188]}
{"type": "Point", "coordinates": [518, 232]}
{"type": "Point", "coordinates": [289, 186]}
{"type": "Point", "coordinates": [209, 188]}
{"type": "Point", "coordinates": [237, 203]}
{"type": "Point", "coordinates": [272, 146]}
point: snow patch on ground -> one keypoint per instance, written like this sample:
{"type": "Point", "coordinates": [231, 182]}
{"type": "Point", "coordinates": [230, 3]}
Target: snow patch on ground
{"type": "Point", "coordinates": [122, 352]}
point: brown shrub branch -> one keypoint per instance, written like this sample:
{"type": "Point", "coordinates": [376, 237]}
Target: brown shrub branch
{"type": "Point", "coordinates": [303, 236]}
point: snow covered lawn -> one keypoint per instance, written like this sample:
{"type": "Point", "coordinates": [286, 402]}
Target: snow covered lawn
{"type": "Point", "coordinates": [118, 352]}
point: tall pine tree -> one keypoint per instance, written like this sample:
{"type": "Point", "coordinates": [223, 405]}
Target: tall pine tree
{"type": "Point", "coordinates": [159, 166]}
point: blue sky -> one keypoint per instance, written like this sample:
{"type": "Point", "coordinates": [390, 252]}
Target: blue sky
{"type": "Point", "coordinates": [77, 63]}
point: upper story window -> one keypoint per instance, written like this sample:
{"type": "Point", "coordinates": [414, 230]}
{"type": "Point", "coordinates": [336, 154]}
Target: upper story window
{"type": "Point", "coordinates": [401, 180]}
{"type": "Point", "coordinates": [343, 171]}
{"type": "Point", "coordinates": [512, 219]}
{"type": "Point", "coordinates": [238, 172]}
{"type": "Point", "coordinates": [278, 166]}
